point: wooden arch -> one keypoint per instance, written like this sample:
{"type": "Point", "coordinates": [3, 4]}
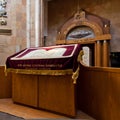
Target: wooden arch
{"type": "Point", "coordinates": [101, 29]}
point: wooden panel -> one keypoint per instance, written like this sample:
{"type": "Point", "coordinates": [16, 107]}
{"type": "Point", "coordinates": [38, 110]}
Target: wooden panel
{"type": "Point", "coordinates": [84, 40]}
{"type": "Point", "coordinates": [57, 93]}
{"type": "Point", "coordinates": [5, 84]}
{"type": "Point", "coordinates": [114, 96]}
{"type": "Point", "coordinates": [25, 89]}
{"type": "Point", "coordinates": [99, 92]}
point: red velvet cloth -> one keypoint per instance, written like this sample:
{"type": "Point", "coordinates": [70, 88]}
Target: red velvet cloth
{"type": "Point", "coordinates": [59, 57]}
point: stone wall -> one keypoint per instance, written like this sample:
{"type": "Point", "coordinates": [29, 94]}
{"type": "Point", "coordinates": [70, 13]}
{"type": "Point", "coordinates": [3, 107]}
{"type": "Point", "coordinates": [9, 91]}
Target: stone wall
{"type": "Point", "coordinates": [16, 21]}
{"type": "Point", "coordinates": [61, 10]}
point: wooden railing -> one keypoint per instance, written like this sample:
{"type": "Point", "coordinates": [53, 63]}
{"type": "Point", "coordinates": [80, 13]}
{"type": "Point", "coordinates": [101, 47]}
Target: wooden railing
{"type": "Point", "coordinates": [5, 84]}
{"type": "Point", "coordinates": [98, 91]}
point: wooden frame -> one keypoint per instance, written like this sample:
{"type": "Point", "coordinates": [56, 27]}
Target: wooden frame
{"type": "Point", "coordinates": [101, 29]}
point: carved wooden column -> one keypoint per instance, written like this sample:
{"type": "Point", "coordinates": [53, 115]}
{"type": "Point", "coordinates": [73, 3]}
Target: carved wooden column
{"type": "Point", "coordinates": [105, 59]}
{"type": "Point", "coordinates": [98, 49]}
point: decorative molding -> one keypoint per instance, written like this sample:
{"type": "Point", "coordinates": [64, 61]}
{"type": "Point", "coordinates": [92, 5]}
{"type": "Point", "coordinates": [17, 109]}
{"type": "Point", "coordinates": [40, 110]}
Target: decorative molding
{"type": "Point", "coordinates": [41, 72]}
{"type": "Point", "coordinates": [82, 18]}
{"type": "Point", "coordinates": [80, 15]}
{"type": "Point", "coordinates": [85, 40]}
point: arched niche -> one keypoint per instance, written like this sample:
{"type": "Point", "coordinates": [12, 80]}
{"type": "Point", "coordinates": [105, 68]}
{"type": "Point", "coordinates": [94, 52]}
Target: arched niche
{"type": "Point", "coordinates": [88, 30]}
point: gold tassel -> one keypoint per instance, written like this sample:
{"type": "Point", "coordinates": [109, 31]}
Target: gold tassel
{"type": "Point", "coordinates": [76, 73]}
{"type": "Point", "coordinates": [5, 70]}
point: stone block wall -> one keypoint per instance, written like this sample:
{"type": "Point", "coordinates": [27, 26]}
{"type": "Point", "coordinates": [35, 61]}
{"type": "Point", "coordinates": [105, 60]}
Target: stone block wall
{"type": "Point", "coordinates": [16, 21]}
{"type": "Point", "coordinates": [59, 11]}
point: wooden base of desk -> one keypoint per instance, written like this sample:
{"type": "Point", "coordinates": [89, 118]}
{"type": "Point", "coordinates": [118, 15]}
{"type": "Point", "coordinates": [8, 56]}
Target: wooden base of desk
{"type": "Point", "coordinates": [57, 93]}
{"type": "Point", "coordinates": [25, 89]}
{"type": "Point", "coordinates": [53, 93]}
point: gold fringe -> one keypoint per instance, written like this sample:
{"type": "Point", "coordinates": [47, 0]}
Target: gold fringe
{"type": "Point", "coordinates": [75, 74]}
{"type": "Point", "coordinates": [41, 72]}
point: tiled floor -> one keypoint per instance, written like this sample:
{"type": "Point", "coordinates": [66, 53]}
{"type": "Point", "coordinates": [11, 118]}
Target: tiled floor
{"type": "Point", "coordinates": [6, 105]}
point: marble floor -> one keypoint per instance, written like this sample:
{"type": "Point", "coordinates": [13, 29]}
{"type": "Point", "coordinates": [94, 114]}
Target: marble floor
{"type": "Point", "coordinates": [6, 105]}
